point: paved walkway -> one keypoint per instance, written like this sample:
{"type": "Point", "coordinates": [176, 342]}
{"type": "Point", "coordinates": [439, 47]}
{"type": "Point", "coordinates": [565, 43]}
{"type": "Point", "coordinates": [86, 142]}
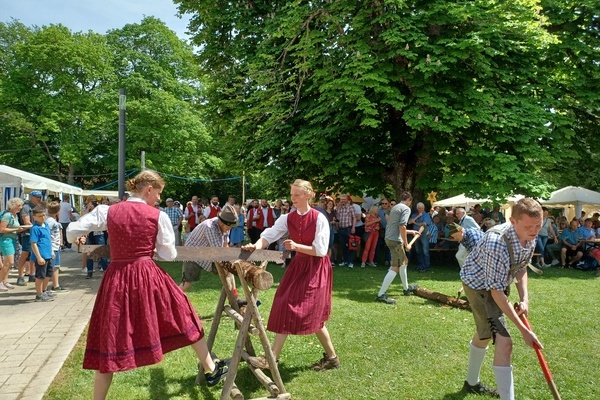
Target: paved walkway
{"type": "Point", "coordinates": [37, 337]}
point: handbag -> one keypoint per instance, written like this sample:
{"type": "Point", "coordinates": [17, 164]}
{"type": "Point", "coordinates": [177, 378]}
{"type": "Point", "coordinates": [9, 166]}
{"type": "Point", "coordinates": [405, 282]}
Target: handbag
{"type": "Point", "coordinates": [353, 242]}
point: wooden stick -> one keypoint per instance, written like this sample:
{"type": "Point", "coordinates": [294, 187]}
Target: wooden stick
{"type": "Point", "coordinates": [441, 298]}
{"type": "Point", "coordinates": [237, 317]}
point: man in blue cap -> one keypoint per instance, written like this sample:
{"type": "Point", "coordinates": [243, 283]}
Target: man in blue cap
{"type": "Point", "coordinates": [26, 217]}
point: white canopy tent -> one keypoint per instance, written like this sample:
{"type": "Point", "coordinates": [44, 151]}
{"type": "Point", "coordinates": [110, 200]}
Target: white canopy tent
{"type": "Point", "coordinates": [573, 199]}
{"type": "Point", "coordinates": [463, 201]}
{"type": "Point", "coordinates": [101, 193]}
{"type": "Point", "coordinates": [459, 201]}
{"type": "Point", "coordinates": [16, 183]}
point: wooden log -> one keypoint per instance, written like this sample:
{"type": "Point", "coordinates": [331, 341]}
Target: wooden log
{"type": "Point", "coordinates": [262, 377]}
{"type": "Point", "coordinates": [441, 298]}
{"type": "Point", "coordinates": [100, 252]}
{"type": "Point", "coordinates": [238, 318]}
{"type": "Point", "coordinates": [236, 394]}
{"type": "Point", "coordinates": [282, 396]}
{"type": "Point", "coordinates": [258, 277]}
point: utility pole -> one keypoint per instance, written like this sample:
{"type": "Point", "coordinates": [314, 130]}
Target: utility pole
{"type": "Point", "coordinates": [122, 128]}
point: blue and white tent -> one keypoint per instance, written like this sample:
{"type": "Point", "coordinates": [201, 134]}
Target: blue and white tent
{"type": "Point", "coordinates": [17, 183]}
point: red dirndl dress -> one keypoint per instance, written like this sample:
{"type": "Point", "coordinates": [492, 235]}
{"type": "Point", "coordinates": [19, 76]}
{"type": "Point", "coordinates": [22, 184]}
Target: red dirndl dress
{"type": "Point", "coordinates": [140, 313]}
{"type": "Point", "coordinates": [302, 302]}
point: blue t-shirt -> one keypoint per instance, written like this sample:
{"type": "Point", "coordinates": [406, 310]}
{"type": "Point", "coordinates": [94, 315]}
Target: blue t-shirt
{"type": "Point", "coordinates": [40, 234]}
{"type": "Point", "coordinates": [571, 237]}
{"type": "Point", "coordinates": [585, 233]}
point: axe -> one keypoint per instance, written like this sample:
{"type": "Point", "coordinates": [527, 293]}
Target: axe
{"type": "Point", "coordinates": [541, 359]}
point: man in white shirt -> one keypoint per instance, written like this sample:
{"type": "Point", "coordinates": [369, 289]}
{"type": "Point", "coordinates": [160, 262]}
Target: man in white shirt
{"type": "Point", "coordinates": [65, 216]}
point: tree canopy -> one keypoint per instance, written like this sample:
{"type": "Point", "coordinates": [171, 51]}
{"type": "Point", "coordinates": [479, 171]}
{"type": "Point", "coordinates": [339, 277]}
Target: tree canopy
{"type": "Point", "coordinates": [490, 98]}
{"type": "Point", "coordinates": [59, 95]}
{"type": "Point", "coordinates": [436, 95]}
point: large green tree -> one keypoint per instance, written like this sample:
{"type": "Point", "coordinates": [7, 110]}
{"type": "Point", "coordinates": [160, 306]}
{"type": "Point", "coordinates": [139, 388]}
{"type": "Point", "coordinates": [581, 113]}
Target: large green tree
{"type": "Point", "coordinates": [419, 95]}
{"type": "Point", "coordinates": [53, 110]}
{"type": "Point", "coordinates": [575, 61]}
{"type": "Point", "coordinates": [59, 95]}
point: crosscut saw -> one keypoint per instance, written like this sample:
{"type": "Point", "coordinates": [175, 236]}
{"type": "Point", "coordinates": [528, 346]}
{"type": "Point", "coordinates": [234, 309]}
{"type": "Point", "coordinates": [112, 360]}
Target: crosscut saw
{"type": "Point", "coordinates": [189, 253]}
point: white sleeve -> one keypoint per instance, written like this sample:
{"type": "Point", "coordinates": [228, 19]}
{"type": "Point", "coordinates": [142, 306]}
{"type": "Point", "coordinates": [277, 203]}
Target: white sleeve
{"type": "Point", "coordinates": [321, 242]}
{"type": "Point", "coordinates": [165, 239]}
{"type": "Point", "coordinates": [276, 231]}
{"type": "Point", "coordinates": [95, 220]}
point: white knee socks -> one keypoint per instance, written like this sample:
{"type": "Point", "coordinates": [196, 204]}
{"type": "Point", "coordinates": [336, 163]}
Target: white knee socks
{"type": "Point", "coordinates": [387, 281]}
{"type": "Point", "coordinates": [504, 380]}
{"type": "Point", "coordinates": [476, 356]}
{"type": "Point", "coordinates": [404, 277]}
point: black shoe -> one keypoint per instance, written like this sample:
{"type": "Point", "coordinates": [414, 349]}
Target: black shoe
{"type": "Point", "coordinates": [385, 299]}
{"type": "Point", "coordinates": [480, 388]}
{"type": "Point", "coordinates": [410, 290]}
{"type": "Point", "coordinates": [31, 278]}
{"type": "Point", "coordinates": [221, 368]}
{"type": "Point", "coordinates": [89, 275]}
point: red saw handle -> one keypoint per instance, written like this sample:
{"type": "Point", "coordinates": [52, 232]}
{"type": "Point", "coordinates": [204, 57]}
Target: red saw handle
{"type": "Point", "coordinates": [541, 359]}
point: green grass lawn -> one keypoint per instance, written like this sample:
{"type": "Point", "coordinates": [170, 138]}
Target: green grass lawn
{"type": "Point", "coordinates": [415, 350]}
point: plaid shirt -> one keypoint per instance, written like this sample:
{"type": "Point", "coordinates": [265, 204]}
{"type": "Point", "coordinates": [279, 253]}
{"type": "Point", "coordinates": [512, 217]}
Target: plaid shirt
{"type": "Point", "coordinates": [174, 213]}
{"type": "Point", "coordinates": [471, 238]}
{"type": "Point", "coordinates": [207, 234]}
{"type": "Point", "coordinates": [345, 216]}
{"type": "Point", "coordinates": [488, 265]}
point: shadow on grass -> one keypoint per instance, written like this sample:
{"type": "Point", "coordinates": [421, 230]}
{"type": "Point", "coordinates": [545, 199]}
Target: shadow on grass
{"type": "Point", "coordinates": [455, 396]}
{"type": "Point", "coordinates": [247, 382]}
{"type": "Point", "coordinates": [157, 387]}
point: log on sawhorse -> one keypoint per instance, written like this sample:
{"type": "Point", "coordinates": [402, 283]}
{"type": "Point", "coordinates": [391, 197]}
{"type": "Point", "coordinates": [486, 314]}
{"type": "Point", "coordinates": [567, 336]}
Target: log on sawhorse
{"type": "Point", "coordinates": [442, 298]}
{"type": "Point", "coordinates": [249, 323]}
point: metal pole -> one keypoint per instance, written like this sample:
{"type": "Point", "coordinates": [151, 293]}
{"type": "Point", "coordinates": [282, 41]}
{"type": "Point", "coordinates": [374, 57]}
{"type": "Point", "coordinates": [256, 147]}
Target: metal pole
{"type": "Point", "coordinates": [143, 163]}
{"type": "Point", "coordinates": [122, 129]}
{"type": "Point", "coordinates": [243, 188]}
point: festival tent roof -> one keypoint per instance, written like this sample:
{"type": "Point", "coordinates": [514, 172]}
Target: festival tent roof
{"type": "Point", "coordinates": [101, 193]}
{"type": "Point", "coordinates": [15, 183]}
{"type": "Point", "coordinates": [573, 195]}
{"type": "Point", "coordinates": [573, 199]}
{"type": "Point", "coordinates": [458, 201]}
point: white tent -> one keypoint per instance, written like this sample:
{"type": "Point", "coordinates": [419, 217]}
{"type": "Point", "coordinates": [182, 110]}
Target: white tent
{"type": "Point", "coordinates": [573, 197]}
{"type": "Point", "coordinates": [459, 201]}
{"type": "Point", "coordinates": [101, 193]}
{"type": "Point", "coordinates": [15, 183]}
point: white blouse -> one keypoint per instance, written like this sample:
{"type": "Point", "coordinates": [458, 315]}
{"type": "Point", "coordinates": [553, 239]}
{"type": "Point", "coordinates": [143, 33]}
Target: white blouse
{"type": "Point", "coordinates": [96, 221]}
{"type": "Point", "coordinates": [280, 228]}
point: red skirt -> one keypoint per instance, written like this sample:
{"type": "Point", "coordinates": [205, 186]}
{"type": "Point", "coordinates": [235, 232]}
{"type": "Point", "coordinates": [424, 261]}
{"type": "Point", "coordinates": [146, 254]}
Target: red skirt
{"type": "Point", "coordinates": [302, 302]}
{"type": "Point", "coordinates": [139, 315]}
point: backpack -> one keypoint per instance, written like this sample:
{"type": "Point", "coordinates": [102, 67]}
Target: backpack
{"type": "Point", "coordinates": [587, 263]}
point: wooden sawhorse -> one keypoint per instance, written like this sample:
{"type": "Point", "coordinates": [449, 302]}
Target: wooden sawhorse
{"type": "Point", "coordinates": [249, 323]}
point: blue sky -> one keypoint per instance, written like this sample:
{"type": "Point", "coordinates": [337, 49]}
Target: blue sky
{"type": "Point", "coordinates": [96, 15]}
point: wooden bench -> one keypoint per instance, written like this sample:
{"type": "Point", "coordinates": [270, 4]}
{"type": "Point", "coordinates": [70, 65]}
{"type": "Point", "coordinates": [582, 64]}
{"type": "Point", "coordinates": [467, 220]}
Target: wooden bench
{"type": "Point", "coordinates": [440, 255]}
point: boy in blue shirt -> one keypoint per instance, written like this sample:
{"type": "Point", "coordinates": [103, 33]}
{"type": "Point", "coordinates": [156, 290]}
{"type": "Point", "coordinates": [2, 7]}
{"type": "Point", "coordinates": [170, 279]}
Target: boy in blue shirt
{"type": "Point", "coordinates": [41, 254]}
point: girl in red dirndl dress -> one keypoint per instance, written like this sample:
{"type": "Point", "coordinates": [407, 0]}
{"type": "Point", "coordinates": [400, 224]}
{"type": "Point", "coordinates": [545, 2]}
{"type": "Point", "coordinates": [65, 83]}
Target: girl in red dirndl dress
{"type": "Point", "coordinates": [140, 313]}
{"type": "Point", "coordinates": [302, 302]}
